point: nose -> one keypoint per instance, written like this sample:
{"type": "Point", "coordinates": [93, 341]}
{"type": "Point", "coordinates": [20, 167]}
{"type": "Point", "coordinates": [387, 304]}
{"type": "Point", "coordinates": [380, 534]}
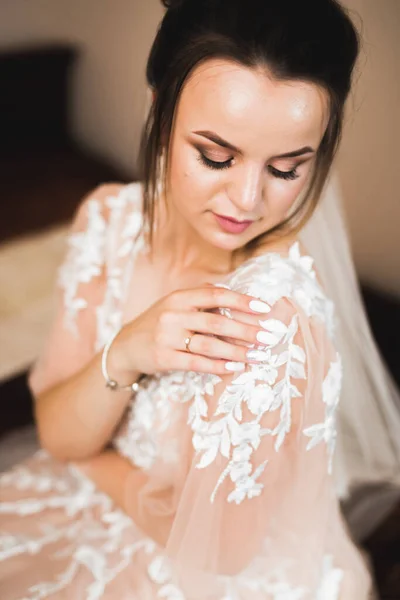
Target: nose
{"type": "Point", "coordinates": [246, 187]}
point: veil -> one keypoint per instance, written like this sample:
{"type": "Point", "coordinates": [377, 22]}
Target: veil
{"type": "Point", "coordinates": [367, 460]}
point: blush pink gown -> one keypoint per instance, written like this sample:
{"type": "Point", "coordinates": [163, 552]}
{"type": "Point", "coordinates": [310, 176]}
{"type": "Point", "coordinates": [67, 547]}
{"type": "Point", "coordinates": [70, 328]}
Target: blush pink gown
{"type": "Point", "coordinates": [238, 470]}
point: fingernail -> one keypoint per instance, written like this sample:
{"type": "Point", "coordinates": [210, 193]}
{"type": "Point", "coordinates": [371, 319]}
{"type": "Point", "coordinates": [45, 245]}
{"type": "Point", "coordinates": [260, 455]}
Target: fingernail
{"type": "Point", "coordinates": [266, 338]}
{"type": "Point", "coordinates": [257, 355]}
{"type": "Point", "coordinates": [235, 366]}
{"type": "Point", "coordinates": [259, 307]}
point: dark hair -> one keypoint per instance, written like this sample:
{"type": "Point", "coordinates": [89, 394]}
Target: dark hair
{"type": "Point", "coordinates": [308, 40]}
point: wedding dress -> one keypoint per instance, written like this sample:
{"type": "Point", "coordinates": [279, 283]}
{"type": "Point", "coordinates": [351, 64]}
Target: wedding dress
{"type": "Point", "coordinates": [238, 500]}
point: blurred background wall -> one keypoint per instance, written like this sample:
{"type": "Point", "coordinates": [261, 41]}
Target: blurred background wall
{"type": "Point", "coordinates": [369, 158]}
{"type": "Point", "coordinates": [108, 103]}
{"type": "Point", "coordinates": [108, 85]}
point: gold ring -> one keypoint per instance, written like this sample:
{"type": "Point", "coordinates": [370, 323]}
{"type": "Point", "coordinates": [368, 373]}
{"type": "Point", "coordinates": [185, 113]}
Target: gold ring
{"type": "Point", "coordinates": [187, 342]}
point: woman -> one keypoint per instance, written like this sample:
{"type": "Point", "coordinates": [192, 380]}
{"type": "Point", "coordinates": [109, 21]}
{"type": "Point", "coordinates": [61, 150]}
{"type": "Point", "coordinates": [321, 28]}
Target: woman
{"type": "Point", "coordinates": [187, 395]}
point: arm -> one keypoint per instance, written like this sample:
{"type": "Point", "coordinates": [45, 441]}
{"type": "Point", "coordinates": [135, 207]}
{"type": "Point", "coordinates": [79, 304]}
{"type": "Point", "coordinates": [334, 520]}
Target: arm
{"type": "Point", "coordinates": [75, 413]}
{"type": "Point", "coordinates": [115, 476]}
{"type": "Point", "coordinates": [110, 472]}
{"type": "Point", "coordinates": [77, 417]}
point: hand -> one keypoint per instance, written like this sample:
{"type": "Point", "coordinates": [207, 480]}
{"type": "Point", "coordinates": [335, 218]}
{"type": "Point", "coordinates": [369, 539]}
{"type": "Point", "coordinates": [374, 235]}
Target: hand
{"type": "Point", "coordinates": [155, 341]}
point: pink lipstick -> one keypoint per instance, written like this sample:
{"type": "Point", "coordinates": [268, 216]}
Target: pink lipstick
{"type": "Point", "coordinates": [232, 225]}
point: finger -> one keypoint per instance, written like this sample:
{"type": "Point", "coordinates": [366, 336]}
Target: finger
{"type": "Point", "coordinates": [215, 324]}
{"type": "Point", "coordinates": [216, 297]}
{"type": "Point", "coordinates": [213, 347]}
{"type": "Point", "coordinates": [186, 361]}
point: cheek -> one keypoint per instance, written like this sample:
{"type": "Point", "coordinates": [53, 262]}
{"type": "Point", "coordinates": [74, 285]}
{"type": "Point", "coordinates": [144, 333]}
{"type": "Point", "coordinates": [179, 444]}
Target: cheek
{"type": "Point", "coordinates": [282, 195]}
{"type": "Point", "coordinates": [182, 191]}
{"type": "Point", "coordinates": [179, 172]}
{"type": "Point", "coordinates": [188, 179]}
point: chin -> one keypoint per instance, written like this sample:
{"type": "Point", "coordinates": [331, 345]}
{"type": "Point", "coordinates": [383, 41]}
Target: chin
{"type": "Point", "coordinates": [224, 241]}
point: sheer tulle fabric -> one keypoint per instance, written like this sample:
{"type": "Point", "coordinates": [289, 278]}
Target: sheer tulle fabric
{"type": "Point", "coordinates": [367, 460]}
{"type": "Point", "coordinates": [230, 495]}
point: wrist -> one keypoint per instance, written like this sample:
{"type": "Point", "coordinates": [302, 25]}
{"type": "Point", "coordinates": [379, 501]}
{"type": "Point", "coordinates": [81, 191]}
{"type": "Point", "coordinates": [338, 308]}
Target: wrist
{"type": "Point", "coordinates": [115, 361]}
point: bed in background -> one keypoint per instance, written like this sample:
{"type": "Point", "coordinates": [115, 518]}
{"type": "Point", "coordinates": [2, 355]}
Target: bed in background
{"type": "Point", "coordinates": [44, 174]}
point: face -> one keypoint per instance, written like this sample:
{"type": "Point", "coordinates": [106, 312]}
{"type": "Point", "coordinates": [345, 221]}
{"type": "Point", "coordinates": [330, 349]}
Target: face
{"type": "Point", "coordinates": [242, 148]}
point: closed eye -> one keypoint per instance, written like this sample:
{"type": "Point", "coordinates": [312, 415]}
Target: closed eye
{"type": "Point", "coordinates": [213, 164]}
{"type": "Point", "coordinates": [226, 164]}
{"type": "Point", "coordinates": [293, 174]}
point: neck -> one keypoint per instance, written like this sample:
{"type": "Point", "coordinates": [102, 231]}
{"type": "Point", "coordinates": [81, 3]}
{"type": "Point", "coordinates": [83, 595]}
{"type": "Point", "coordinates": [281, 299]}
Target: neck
{"type": "Point", "coordinates": [181, 249]}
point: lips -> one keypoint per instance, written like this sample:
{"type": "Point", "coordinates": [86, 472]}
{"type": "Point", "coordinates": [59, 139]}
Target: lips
{"type": "Point", "coordinates": [231, 225]}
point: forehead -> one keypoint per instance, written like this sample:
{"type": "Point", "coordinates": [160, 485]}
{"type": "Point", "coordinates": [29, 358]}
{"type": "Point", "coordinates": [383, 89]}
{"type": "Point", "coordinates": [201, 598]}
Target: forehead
{"type": "Point", "coordinates": [248, 106]}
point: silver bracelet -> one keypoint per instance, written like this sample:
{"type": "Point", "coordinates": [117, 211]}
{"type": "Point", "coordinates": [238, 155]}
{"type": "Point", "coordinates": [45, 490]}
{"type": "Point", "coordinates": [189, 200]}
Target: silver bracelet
{"type": "Point", "coordinates": [111, 383]}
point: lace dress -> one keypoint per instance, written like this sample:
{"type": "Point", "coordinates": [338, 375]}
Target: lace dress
{"type": "Point", "coordinates": [238, 469]}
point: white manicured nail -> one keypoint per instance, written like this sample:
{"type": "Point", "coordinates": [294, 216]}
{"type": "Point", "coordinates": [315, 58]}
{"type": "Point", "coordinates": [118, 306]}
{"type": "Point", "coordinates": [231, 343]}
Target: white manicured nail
{"type": "Point", "coordinates": [266, 338]}
{"type": "Point", "coordinates": [221, 285]}
{"type": "Point", "coordinates": [234, 366]}
{"type": "Point", "coordinates": [257, 355]}
{"type": "Point", "coordinates": [259, 307]}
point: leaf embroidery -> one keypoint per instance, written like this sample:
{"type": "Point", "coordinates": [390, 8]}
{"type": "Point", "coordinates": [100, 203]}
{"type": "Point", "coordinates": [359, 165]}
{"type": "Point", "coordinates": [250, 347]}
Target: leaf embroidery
{"type": "Point", "coordinates": [260, 389]}
{"type": "Point", "coordinates": [326, 431]}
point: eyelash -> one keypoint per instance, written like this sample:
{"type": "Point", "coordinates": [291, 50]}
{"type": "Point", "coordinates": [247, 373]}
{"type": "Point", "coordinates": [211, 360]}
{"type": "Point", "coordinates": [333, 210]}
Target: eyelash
{"type": "Point", "coordinates": [219, 166]}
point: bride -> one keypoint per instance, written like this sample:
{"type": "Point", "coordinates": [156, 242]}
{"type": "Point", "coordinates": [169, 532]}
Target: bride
{"type": "Point", "coordinates": [187, 396]}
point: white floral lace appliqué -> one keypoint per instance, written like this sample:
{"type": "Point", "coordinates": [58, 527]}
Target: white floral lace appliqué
{"type": "Point", "coordinates": [84, 261]}
{"type": "Point", "coordinates": [326, 431]}
{"type": "Point", "coordinates": [260, 389]}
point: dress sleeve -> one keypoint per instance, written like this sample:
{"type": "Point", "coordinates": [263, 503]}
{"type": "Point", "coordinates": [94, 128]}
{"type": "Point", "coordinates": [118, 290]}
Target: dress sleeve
{"type": "Point", "coordinates": [79, 290]}
{"type": "Point", "coordinates": [261, 445]}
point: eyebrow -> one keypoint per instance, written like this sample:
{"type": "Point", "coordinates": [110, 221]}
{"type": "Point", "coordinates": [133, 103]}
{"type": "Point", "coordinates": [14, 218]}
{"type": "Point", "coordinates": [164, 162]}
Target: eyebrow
{"type": "Point", "coordinates": [213, 137]}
